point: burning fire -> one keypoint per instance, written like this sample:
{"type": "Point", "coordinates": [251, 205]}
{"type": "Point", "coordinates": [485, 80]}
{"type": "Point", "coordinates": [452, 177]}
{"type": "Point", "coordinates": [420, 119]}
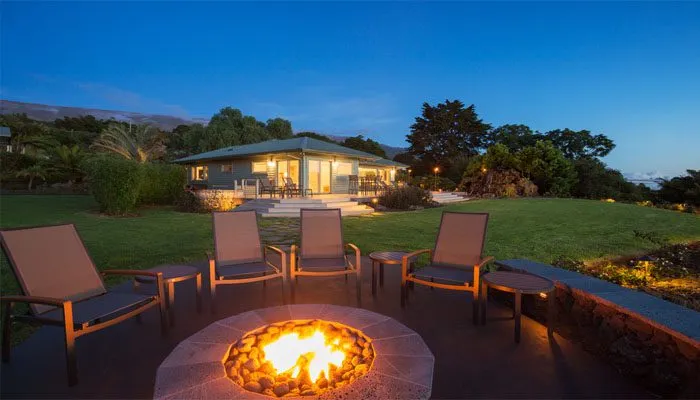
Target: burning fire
{"type": "Point", "coordinates": [289, 353]}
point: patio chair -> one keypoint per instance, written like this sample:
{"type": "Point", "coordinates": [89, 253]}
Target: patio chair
{"type": "Point", "coordinates": [456, 261]}
{"type": "Point", "coordinates": [63, 288]}
{"type": "Point", "coordinates": [266, 186]}
{"type": "Point", "coordinates": [321, 251]}
{"type": "Point", "coordinates": [239, 254]}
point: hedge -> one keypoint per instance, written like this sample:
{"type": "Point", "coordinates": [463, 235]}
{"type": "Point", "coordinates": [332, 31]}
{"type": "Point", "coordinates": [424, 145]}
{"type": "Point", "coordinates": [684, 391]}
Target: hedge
{"type": "Point", "coordinates": [162, 183]}
{"type": "Point", "coordinates": [114, 182]}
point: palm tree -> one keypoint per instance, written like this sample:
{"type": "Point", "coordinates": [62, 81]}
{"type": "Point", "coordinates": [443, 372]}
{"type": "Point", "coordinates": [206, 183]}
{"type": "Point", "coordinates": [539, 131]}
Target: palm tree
{"type": "Point", "coordinates": [33, 172]}
{"type": "Point", "coordinates": [140, 143]}
{"type": "Point", "coordinates": [66, 161]}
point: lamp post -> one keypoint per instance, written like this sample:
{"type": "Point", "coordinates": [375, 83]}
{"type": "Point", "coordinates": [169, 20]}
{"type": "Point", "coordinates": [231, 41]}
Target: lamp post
{"type": "Point", "coordinates": [435, 170]}
{"type": "Point", "coordinates": [408, 181]}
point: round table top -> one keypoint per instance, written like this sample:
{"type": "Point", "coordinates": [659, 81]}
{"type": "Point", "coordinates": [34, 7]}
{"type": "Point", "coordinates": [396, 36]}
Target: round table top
{"type": "Point", "coordinates": [171, 272]}
{"type": "Point", "coordinates": [388, 257]}
{"type": "Point", "coordinates": [512, 281]}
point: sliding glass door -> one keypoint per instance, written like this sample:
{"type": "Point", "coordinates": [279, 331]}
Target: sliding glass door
{"type": "Point", "coordinates": [319, 176]}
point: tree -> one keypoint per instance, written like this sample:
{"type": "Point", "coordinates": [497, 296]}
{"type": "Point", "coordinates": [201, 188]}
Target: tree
{"type": "Point", "coordinates": [405, 158]}
{"type": "Point", "coordinates": [141, 143]}
{"type": "Point", "coordinates": [35, 171]}
{"type": "Point", "coordinates": [83, 123]}
{"type": "Point", "coordinates": [514, 137]}
{"type": "Point", "coordinates": [66, 161]}
{"type": "Point", "coordinates": [682, 189]}
{"type": "Point", "coordinates": [547, 167]}
{"type": "Point", "coordinates": [316, 136]}
{"type": "Point", "coordinates": [579, 144]}
{"type": "Point", "coordinates": [445, 131]}
{"type": "Point", "coordinates": [279, 128]}
{"type": "Point", "coordinates": [367, 145]}
{"type": "Point", "coordinates": [229, 127]}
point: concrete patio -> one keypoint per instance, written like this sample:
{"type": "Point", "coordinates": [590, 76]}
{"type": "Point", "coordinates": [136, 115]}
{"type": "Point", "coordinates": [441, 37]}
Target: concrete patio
{"type": "Point", "coordinates": [470, 361]}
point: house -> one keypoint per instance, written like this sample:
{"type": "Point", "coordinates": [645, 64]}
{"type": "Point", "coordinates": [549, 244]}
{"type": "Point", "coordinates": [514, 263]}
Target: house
{"type": "Point", "coordinates": [313, 164]}
{"type": "Point", "coordinates": [5, 139]}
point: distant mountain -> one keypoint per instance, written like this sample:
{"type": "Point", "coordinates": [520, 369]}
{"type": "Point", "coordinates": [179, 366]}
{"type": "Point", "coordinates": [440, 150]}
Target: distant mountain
{"type": "Point", "coordinates": [43, 112]}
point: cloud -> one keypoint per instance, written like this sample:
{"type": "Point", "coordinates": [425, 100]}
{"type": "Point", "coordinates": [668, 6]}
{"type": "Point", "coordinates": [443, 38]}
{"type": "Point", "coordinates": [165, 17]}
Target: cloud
{"type": "Point", "coordinates": [131, 101]}
{"type": "Point", "coordinates": [320, 108]}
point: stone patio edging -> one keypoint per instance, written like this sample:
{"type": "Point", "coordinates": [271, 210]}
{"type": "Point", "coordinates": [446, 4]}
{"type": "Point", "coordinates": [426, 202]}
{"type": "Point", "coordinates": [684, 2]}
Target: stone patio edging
{"type": "Point", "coordinates": [646, 337]}
{"type": "Point", "coordinates": [402, 368]}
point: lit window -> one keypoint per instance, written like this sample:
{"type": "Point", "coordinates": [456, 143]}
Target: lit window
{"type": "Point", "coordinates": [200, 173]}
{"type": "Point", "coordinates": [227, 168]}
{"type": "Point", "coordinates": [344, 169]}
{"type": "Point", "coordinates": [259, 167]}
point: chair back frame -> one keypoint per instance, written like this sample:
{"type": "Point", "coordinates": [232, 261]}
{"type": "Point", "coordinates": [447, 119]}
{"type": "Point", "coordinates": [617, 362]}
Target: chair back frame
{"type": "Point", "coordinates": [16, 269]}
{"type": "Point", "coordinates": [437, 238]}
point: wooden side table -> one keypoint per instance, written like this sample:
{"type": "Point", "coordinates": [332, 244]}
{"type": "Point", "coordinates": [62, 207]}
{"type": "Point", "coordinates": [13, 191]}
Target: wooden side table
{"type": "Point", "coordinates": [384, 257]}
{"type": "Point", "coordinates": [173, 274]}
{"type": "Point", "coordinates": [519, 284]}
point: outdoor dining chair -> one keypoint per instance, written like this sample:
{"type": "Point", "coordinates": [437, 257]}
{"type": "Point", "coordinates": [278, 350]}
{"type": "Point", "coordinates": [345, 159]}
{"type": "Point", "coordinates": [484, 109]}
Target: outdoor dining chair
{"type": "Point", "coordinates": [62, 287]}
{"type": "Point", "coordinates": [239, 255]}
{"type": "Point", "coordinates": [266, 186]}
{"type": "Point", "coordinates": [457, 259]}
{"type": "Point", "coordinates": [322, 251]}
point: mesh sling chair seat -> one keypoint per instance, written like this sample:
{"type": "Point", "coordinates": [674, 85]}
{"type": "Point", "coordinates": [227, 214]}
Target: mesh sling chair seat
{"type": "Point", "coordinates": [62, 287]}
{"type": "Point", "coordinates": [322, 251]}
{"type": "Point", "coordinates": [266, 186]}
{"type": "Point", "coordinates": [456, 261]}
{"type": "Point", "coordinates": [239, 255]}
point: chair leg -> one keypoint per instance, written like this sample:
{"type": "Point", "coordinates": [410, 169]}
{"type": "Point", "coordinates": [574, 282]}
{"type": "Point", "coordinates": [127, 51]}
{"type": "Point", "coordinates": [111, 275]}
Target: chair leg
{"type": "Point", "coordinates": [518, 300]}
{"type": "Point", "coordinates": [212, 296]}
{"type": "Point", "coordinates": [171, 303]}
{"type": "Point", "coordinates": [403, 294]}
{"type": "Point", "coordinates": [69, 336]}
{"type": "Point", "coordinates": [6, 332]}
{"type": "Point", "coordinates": [475, 308]}
{"type": "Point", "coordinates": [358, 283]}
{"type": "Point", "coordinates": [198, 280]}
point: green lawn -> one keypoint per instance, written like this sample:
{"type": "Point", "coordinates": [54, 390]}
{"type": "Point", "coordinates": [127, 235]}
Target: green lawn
{"type": "Point", "coordinates": [539, 229]}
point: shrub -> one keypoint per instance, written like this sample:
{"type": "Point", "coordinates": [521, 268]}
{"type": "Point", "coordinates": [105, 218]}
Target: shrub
{"type": "Point", "coordinates": [11, 163]}
{"type": "Point", "coordinates": [162, 183]}
{"type": "Point", "coordinates": [114, 182]}
{"type": "Point", "coordinates": [205, 201]}
{"type": "Point", "coordinates": [404, 198]}
{"type": "Point", "coordinates": [433, 183]}
{"type": "Point", "coordinates": [497, 183]}
{"type": "Point", "coordinates": [187, 201]}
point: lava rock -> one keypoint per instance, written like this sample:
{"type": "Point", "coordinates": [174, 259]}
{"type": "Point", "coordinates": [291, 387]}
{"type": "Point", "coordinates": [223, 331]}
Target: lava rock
{"type": "Point", "coordinates": [253, 387]}
{"type": "Point", "coordinates": [281, 389]}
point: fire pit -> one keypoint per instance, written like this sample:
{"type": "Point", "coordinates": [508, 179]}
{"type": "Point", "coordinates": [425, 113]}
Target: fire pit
{"type": "Point", "coordinates": [300, 357]}
{"type": "Point", "coordinates": [309, 351]}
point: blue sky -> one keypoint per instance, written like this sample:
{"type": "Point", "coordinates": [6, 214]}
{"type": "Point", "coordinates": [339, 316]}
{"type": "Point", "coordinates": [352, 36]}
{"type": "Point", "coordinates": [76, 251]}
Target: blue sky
{"type": "Point", "coordinates": [628, 70]}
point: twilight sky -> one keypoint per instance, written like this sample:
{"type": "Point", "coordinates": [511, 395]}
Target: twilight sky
{"type": "Point", "coordinates": [628, 70]}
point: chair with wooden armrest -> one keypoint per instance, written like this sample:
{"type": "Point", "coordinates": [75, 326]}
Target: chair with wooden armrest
{"type": "Point", "coordinates": [456, 261]}
{"type": "Point", "coordinates": [62, 287]}
{"type": "Point", "coordinates": [239, 255]}
{"type": "Point", "coordinates": [322, 251]}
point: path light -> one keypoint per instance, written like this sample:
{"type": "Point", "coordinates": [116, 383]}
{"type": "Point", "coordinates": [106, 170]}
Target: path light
{"type": "Point", "coordinates": [646, 262]}
{"type": "Point", "coordinates": [436, 170]}
{"type": "Point", "coordinates": [375, 200]}
{"type": "Point", "coordinates": [484, 169]}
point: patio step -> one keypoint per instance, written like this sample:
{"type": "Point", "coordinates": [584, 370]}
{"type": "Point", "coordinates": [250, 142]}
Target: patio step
{"type": "Point", "coordinates": [291, 207]}
{"type": "Point", "coordinates": [448, 197]}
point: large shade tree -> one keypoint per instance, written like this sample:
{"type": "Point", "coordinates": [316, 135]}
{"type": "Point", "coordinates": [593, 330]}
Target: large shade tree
{"type": "Point", "coordinates": [446, 131]}
{"type": "Point", "coordinates": [579, 144]}
{"type": "Point", "coordinates": [367, 145]}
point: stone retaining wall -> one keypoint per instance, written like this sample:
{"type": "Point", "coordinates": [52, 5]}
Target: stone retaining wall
{"type": "Point", "coordinates": [665, 361]}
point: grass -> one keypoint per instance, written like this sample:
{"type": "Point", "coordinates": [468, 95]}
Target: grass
{"type": "Point", "coordinates": [539, 229]}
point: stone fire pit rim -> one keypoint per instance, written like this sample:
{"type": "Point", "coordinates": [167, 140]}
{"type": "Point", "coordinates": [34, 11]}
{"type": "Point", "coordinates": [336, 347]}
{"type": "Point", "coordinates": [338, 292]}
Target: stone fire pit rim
{"type": "Point", "coordinates": [403, 365]}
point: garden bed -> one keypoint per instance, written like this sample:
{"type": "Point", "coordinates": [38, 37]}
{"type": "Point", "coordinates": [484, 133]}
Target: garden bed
{"type": "Point", "coordinates": [671, 272]}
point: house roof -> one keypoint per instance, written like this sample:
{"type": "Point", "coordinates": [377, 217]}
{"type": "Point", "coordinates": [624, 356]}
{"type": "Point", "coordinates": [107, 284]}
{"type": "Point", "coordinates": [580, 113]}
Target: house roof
{"type": "Point", "coordinates": [5, 131]}
{"type": "Point", "coordinates": [386, 163]}
{"type": "Point", "coordinates": [298, 144]}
